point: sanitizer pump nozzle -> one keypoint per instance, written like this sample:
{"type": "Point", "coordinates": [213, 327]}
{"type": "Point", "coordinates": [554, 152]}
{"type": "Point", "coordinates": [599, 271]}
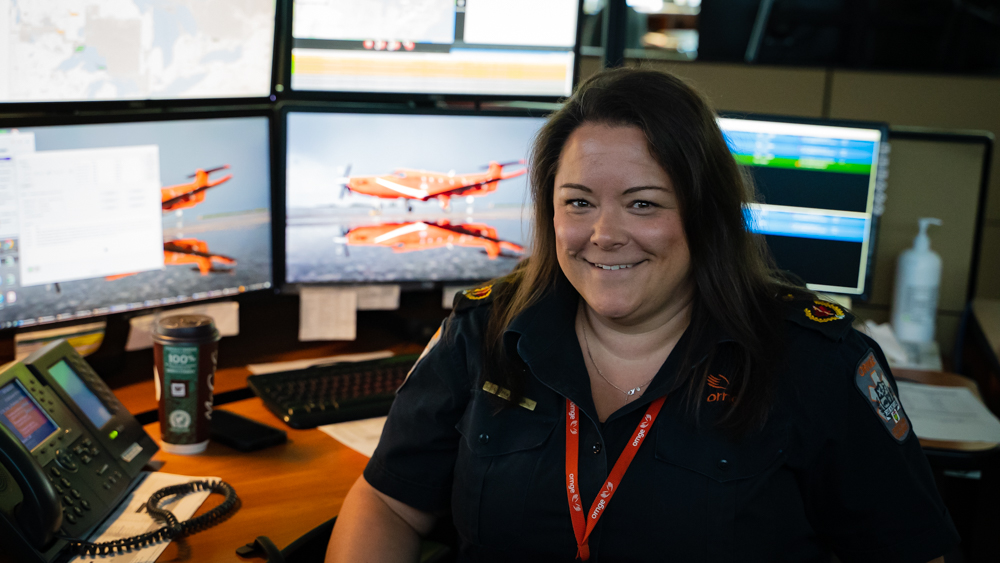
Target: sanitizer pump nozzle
{"type": "Point", "coordinates": [918, 278]}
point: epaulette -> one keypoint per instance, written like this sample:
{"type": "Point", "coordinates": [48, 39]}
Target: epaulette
{"type": "Point", "coordinates": [828, 318]}
{"type": "Point", "coordinates": [474, 297]}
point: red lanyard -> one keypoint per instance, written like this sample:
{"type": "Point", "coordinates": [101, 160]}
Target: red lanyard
{"type": "Point", "coordinates": [582, 530]}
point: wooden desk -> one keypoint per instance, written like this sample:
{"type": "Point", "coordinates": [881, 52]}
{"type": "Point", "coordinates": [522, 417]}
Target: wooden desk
{"type": "Point", "coordinates": [285, 490]}
{"type": "Point", "coordinates": [945, 380]}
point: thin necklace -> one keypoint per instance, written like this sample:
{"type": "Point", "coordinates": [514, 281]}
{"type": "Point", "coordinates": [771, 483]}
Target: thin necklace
{"type": "Point", "coordinates": [628, 393]}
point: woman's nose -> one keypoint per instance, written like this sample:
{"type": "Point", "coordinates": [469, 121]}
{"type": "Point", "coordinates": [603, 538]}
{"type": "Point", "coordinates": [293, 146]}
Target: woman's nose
{"type": "Point", "coordinates": [609, 230]}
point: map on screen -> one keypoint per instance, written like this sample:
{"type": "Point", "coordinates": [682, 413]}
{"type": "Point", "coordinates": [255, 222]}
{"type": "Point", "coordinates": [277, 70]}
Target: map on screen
{"type": "Point", "coordinates": [68, 50]}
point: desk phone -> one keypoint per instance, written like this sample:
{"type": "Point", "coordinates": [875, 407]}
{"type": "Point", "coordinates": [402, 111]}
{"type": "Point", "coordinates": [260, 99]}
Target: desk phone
{"type": "Point", "coordinates": [69, 453]}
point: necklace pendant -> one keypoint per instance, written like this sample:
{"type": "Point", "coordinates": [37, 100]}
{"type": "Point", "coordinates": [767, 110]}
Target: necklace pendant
{"type": "Point", "coordinates": [632, 391]}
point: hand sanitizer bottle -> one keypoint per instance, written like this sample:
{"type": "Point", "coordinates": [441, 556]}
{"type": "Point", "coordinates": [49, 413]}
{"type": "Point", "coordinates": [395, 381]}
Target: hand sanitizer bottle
{"type": "Point", "coordinates": [918, 277]}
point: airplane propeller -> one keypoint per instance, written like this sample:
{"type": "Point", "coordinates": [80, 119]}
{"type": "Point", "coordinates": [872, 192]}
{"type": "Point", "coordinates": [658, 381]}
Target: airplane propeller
{"type": "Point", "coordinates": [344, 190]}
{"type": "Point", "coordinates": [209, 171]}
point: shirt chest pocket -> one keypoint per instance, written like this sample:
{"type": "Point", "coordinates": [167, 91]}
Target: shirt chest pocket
{"type": "Point", "coordinates": [496, 463]}
{"type": "Point", "coordinates": [714, 487]}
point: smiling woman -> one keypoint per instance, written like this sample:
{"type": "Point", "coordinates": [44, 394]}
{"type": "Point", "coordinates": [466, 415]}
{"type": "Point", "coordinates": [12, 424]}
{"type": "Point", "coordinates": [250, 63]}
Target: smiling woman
{"type": "Point", "coordinates": [647, 312]}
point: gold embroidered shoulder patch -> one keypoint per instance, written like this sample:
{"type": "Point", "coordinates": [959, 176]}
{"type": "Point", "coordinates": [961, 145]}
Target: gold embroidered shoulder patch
{"type": "Point", "coordinates": [478, 293]}
{"type": "Point", "coordinates": [823, 312]}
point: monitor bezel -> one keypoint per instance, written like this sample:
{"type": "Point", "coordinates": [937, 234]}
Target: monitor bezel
{"type": "Point", "coordinates": [881, 172]}
{"type": "Point", "coordinates": [279, 219]}
{"type": "Point", "coordinates": [73, 107]}
{"type": "Point", "coordinates": [162, 115]}
{"type": "Point", "coordinates": [285, 92]}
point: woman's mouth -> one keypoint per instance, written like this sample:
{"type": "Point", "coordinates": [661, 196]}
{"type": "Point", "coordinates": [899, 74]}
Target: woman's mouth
{"type": "Point", "coordinates": [613, 266]}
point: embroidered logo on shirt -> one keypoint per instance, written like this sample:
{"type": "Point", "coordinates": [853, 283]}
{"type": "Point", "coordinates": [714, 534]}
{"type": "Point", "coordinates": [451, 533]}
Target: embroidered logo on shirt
{"type": "Point", "coordinates": [824, 312]}
{"type": "Point", "coordinates": [720, 382]}
{"type": "Point", "coordinates": [478, 293]}
{"type": "Point", "coordinates": [874, 386]}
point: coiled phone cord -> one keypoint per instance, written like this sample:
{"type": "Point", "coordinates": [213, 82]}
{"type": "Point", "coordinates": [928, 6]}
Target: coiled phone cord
{"type": "Point", "coordinates": [171, 528]}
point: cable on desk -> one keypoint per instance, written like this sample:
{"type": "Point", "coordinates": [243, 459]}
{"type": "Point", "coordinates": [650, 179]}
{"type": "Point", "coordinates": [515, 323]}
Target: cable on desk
{"type": "Point", "coordinates": [171, 528]}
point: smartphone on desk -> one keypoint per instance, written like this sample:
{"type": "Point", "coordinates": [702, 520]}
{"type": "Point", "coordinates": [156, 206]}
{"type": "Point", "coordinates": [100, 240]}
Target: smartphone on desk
{"type": "Point", "coordinates": [243, 434]}
{"type": "Point", "coordinates": [69, 453]}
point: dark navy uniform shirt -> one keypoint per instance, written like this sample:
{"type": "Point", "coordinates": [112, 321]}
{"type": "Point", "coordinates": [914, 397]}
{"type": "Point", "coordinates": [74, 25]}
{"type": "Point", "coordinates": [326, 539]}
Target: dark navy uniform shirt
{"type": "Point", "coordinates": [835, 469]}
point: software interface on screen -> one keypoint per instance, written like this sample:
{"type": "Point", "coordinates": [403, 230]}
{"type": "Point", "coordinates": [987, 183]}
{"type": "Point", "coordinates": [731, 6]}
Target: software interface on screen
{"type": "Point", "coordinates": [818, 189]}
{"type": "Point", "coordinates": [135, 49]}
{"type": "Point", "coordinates": [396, 198]}
{"type": "Point", "coordinates": [501, 47]}
{"type": "Point", "coordinates": [105, 218]}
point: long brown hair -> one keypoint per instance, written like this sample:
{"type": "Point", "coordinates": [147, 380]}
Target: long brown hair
{"type": "Point", "coordinates": [731, 268]}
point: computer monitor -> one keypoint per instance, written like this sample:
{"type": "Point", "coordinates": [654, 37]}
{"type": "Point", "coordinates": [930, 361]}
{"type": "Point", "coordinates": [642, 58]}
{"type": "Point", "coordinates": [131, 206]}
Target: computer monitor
{"type": "Point", "coordinates": [383, 197]}
{"type": "Point", "coordinates": [135, 49]}
{"type": "Point", "coordinates": [101, 218]}
{"type": "Point", "coordinates": [822, 189]}
{"type": "Point", "coordinates": [520, 48]}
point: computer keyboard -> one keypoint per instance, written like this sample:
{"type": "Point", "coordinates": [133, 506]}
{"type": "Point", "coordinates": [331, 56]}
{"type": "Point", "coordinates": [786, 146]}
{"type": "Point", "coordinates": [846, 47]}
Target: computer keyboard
{"type": "Point", "coordinates": [329, 393]}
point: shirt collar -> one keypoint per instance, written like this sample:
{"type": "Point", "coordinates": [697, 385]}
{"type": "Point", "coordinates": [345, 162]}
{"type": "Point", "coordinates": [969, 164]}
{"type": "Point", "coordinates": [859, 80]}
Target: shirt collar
{"type": "Point", "coordinates": [544, 336]}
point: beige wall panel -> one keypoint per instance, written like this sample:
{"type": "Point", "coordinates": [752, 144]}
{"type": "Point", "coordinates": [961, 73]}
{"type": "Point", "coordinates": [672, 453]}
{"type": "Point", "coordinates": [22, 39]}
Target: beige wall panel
{"type": "Point", "coordinates": [930, 179]}
{"type": "Point", "coordinates": [755, 89]}
{"type": "Point", "coordinates": [988, 285]}
{"type": "Point", "coordinates": [950, 102]}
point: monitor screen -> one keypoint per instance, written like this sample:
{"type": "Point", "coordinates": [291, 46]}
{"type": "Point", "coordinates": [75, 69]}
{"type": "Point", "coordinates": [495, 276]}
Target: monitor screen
{"type": "Point", "coordinates": [461, 47]}
{"type": "Point", "coordinates": [818, 186]}
{"type": "Point", "coordinates": [76, 50]}
{"type": "Point", "coordinates": [23, 417]}
{"type": "Point", "coordinates": [84, 398]}
{"type": "Point", "coordinates": [106, 218]}
{"type": "Point", "coordinates": [405, 198]}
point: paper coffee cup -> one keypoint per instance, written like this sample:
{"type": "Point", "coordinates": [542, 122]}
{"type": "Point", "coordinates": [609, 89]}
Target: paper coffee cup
{"type": "Point", "coordinates": [185, 352]}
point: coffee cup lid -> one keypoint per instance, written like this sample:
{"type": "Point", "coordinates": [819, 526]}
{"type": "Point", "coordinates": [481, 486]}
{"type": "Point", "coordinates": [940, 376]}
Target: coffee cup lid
{"type": "Point", "coordinates": [186, 328]}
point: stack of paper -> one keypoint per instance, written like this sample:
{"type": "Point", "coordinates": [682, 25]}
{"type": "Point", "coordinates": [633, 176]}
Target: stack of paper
{"type": "Point", "coordinates": [947, 413]}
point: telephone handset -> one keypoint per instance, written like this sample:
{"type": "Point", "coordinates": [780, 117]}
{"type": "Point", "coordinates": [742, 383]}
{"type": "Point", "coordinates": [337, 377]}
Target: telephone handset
{"type": "Point", "coordinates": [69, 452]}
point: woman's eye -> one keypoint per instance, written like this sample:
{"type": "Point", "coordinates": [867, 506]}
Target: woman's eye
{"type": "Point", "coordinates": [578, 203]}
{"type": "Point", "coordinates": [643, 204]}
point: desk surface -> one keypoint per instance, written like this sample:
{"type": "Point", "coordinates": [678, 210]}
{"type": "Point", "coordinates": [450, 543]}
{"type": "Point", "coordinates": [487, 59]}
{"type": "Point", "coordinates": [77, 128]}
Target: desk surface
{"type": "Point", "coordinates": [285, 490]}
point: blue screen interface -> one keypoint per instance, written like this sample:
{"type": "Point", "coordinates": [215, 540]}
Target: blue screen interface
{"type": "Point", "coordinates": [23, 417]}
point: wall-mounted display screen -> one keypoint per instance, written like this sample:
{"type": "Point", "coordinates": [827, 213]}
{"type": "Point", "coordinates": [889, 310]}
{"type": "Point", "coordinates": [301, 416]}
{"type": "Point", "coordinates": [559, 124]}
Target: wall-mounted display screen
{"type": "Point", "coordinates": [106, 218]}
{"type": "Point", "coordinates": [462, 47]}
{"type": "Point", "coordinates": [397, 198]}
{"type": "Point", "coordinates": [73, 50]}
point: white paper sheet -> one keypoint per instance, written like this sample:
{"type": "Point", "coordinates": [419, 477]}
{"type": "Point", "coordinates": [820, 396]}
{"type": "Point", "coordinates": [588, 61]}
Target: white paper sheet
{"type": "Point", "coordinates": [274, 367]}
{"type": "Point", "coordinates": [327, 313]}
{"type": "Point", "coordinates": [131, 519]}
{"type": "Point", "coordinates": [226, 315]}
{"type": "Point", "coordinates": [377, 297]}
{"type": "Point", "coordinates": [947, 413]}
{"type": "Point", "coordinates": [361, 436]}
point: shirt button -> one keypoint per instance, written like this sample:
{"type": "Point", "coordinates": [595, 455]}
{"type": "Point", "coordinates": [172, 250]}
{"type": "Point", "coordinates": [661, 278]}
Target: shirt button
{"type": "Point", "coordinates": [597, 448]}
{"type": "Point", "coordinates": [723, 465]}
{"type": "Point", "coordinates": [484, 438]}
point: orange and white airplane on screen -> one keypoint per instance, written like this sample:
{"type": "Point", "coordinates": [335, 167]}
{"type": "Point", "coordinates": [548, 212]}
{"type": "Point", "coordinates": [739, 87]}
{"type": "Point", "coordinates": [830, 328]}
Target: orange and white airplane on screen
{"type": "Point", "coordinates": [183, 196]}
{"type": "Point", "coordinates": [179, 252]}
{"type": "Point", "coordinates": [424, 185]}
{"type": "Point", "coordinates": [420, 235]}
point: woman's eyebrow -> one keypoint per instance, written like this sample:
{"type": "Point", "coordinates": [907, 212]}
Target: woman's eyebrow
{"type": "Point", "coordinates": [573, 186]}
{"type": "Point", "coordinates": [641, 188]}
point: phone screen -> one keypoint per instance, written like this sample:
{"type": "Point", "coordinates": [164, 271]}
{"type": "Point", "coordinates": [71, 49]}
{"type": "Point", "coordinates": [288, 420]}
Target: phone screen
{"type": "Point", "coordinates": [81, 394]}
{"type": "Point", "coordinates": [20, 414]}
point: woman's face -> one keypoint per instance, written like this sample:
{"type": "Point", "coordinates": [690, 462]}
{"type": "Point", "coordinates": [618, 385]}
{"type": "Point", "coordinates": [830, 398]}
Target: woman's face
{"type": "Point", "coordinates": [619, 236]}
